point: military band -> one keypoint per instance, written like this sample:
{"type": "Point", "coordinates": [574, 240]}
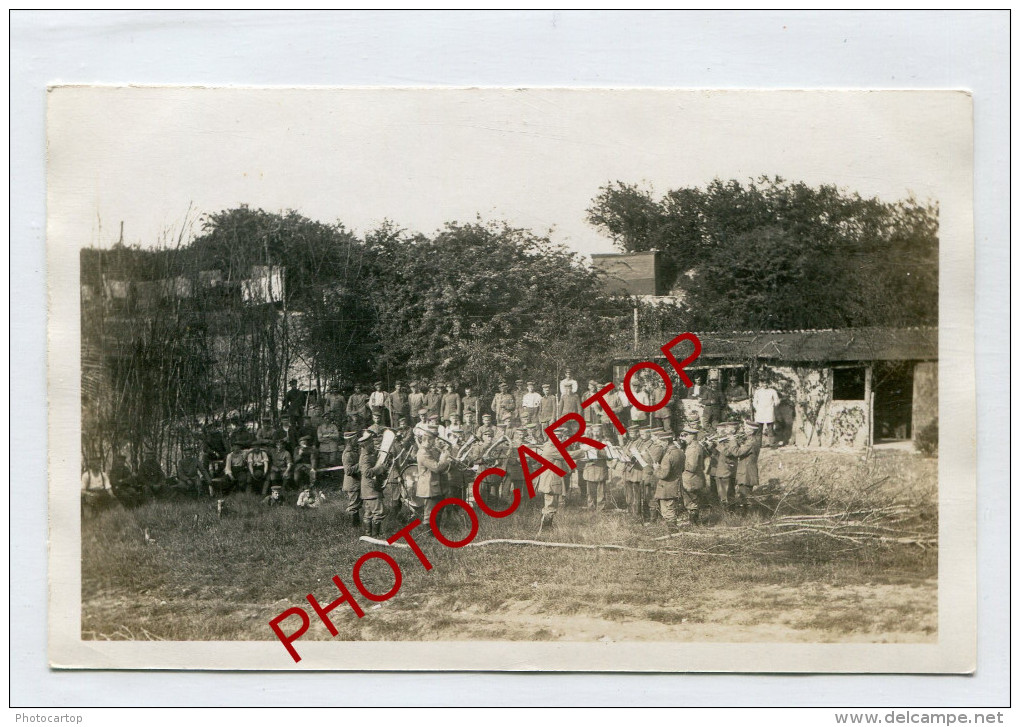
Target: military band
{"type": "Point", "coordinates": [438, 436]}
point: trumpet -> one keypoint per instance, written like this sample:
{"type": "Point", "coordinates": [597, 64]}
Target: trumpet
{"type": "Point", "coordinates": [463, 450]}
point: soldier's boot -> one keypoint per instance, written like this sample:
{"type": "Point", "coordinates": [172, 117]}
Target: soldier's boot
{"type": "Point", "coordinates": [672, 528]}
{"type": "Point", "coordinates": [695, 517]}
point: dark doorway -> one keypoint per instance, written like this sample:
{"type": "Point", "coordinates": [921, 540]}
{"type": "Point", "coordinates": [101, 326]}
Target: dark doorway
{"type": "Point", "coordinates": [893, 385]}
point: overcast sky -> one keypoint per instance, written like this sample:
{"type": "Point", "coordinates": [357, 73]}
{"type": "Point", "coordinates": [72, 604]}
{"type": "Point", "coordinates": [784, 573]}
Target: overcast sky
{"type": "Point", "coordinates": [535, 158]}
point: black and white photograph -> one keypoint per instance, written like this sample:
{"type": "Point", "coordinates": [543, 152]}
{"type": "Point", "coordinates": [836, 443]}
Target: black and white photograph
{"type": "Point", "coordinates": [511, 378]}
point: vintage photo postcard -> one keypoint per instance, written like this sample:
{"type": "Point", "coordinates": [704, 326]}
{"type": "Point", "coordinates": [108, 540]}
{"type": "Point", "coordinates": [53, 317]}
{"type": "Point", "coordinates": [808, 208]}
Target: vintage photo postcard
{"type": "Point", "coordinates": [526, 379]}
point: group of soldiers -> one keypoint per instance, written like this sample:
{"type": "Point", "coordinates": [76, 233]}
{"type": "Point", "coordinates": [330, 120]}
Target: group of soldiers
{"type": "Point", "coordinates": [382, 457]}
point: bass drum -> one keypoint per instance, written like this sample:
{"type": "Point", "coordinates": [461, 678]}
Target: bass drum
{"type": "Point", "coordinates": [408, 485]}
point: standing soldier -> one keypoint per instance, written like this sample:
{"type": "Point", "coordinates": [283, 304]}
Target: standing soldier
{"type": "Point", "coordinates": [550, 485]}
{"type": "Point", "coordinates": [398, 404]}
{"type": "Point", "coordinates": [635, 448]}
{"type": "Point", "coordinates": [471, 406]}
{"type": "Point", "coordinates": [654, 450]}
{"type": "Point", "coordinates": [596, 472]}
{"type": "Point", "coordinates": [432, 463]}
{"type": "Point", "coordinates": [663, 417]}
{"type": "Point", "coordinates": [593, 412]}
{"type": "Point", "coordinates": [617, 401]}
{"type": "Point", "coordinates": [503, 404]}
{"type": "Point", "coordinates": [357, 409]}
{"type": "Point", "coordinates": [547, 407]}
{"type": "Point", "coordinates": [373, 481]}
{"type": "Point", "coordinates": [352, 478]}
{"type": "Point", "coordinates": [637, 417]}
{"type": "Point", "coordinates": [449, 406]}
{"type": "Point", "coordinates": [518, 393]}
{"type": "Point", "coordinates": [568, 385]}
{"type": "Point", "coordinates": [570, 402]}
{"type": "Point", "coordinates": [694, 473]}
{"type": "Point", "coordinates": [294, 403]}
{"type": "Point", "coordinates": [531, 402]}
{"type": "Point", "coordinates": [415, 400]}
{"type": "Point", "coordinates": [712, 402]}
{"type": "Point", "coordinates": [669, 472]}
{"type": "Point", "coordinates": [433, 399]}
{"type": "Point", "coordinates": [328, 436]}
{"type": "Point", "coordinates": [336, 404]}
{"type": "Point", "coordinates": [746, 452]}
{"type": "Point", "coordinates": [377, 401]}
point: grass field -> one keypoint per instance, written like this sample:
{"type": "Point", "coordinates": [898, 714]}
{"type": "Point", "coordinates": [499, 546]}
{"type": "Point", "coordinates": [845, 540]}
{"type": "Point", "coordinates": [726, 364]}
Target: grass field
{"type": "Point", "coordinates": [842, 550]}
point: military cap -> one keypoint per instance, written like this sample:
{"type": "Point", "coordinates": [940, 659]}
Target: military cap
{"type": "Point", "coordinates": [377, 383]}
{"type": "Point", "coordinates": [276, 488]}
{"type": "Point", "coordinates": [413, 383]}
{"type": "Point", "coordinates": [235, 444]}
{"type": "Point", "coordinates": [546, 386]}
{"type": "Point", "coordinates": [350, 435]}
{"type": "Point", "coordinates": [433, 418]}
{"type": "Point", "coordinates": [402, 420]}
{"type": "Point", "coordinates": [399, 383]}
{"type": "Point", "coordinates": [507, 416]}
{"type": "Point", "coordinates": [531, 383]}
{"type": "Point", "coordinates": [431, 429]}
{"type": "Point", "coordinates": [486, 416]}
{"type": "Point", "coordinates": [455, 428]}
{"type": "Point", "coordinates": [561, 430]}
{"type": "Point", "coordinates": [305, 438]}
{"type": "Point", "coordinates": [691, 430]}
{"type": "Point", "coordinates": [503, 383]}
{"type": "Point", "coordinates": [665, 435]}
{"type": "Point", "coordinates": [293, 381]}
{"type": "Point", "coordinates": [366, 435]}
{"type": "Point", "coordinates": [519, 381]}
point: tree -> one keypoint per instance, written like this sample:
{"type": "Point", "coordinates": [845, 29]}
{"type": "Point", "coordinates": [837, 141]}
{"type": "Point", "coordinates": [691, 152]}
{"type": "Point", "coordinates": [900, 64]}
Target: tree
{"type": "Point", "coordinates": [482, 302]}
{"type": "Point", "coordinates": [777, 254]}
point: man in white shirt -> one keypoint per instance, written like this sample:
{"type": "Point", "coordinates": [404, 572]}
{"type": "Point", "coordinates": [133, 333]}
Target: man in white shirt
{"type": "Point", "coordinates": [568, 385]}
{"type": "Point", "coordinates": [530, 403]}
{"type": "Point", "coordinates": [95, 486]}
{"type": "Point", "coordinates": [637, 417]}
{"type": "Point", "coordinates": [765, 401]}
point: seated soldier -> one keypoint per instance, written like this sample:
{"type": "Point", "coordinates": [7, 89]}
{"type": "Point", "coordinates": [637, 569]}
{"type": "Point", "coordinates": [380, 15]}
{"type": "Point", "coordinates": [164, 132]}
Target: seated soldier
{"type": "Point", "coordinates": [123, 483]}
{"type": "Point", "coordinates": [259, 463]}
{"type": "Point", "coordinates": [280, 465]}
{"type": "Point", "coordinates": [96, 492]}
{"type": "Point", "coordinates": [151, 477]}
{"type": "Point", "coordinates": [192, 474]}
{"type": "Point", "coordinates": [306, 461]}
{"type": "Point", "coordinates": [235, 469]}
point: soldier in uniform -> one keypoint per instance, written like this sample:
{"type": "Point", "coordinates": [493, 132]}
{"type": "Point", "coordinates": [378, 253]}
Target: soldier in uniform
{"type": "Point", "coordinates": [531, 402]}
{"type": "Point", "coordinates": [432, 463]}
{"type": "Point", "coordinates": [654, 450]}
{"type": "Point", "coordinates": [191, 472]}
{"type": "Point", "coordinates": [377, 401]}
{"type": "Point", "coordinates": [694, 473]}
{"type": "Point", "coordinates": [570, 402]}
{"type": "Point", "coordinates": [259, 463]}
{"type": "Point", "coordinates": [550, 485]}
{"type": "Point", "coordinates": [712, 401]}
{"type": "Point", "coordinates": [433, 399]}
{"type": "Point", "coordinates": [449, 405]}
{"type": "Point", "coordinates": [294, 402]}
{"type": "Point", "coordinates": [328, 436]}
{"type": "Point", "coordinates": [596, 472]}
{"type": "Point", "coordinates": [373, 481]}
{"type": "Point", "coordinates": [518, 394]}
{"type": "Point", "coordinates": [336, 404]}
{"type": "Point", "coordinates": [503, 404]}
{"type": "Point", "coordinates": [377, 427]}
{"type": "Point", "coordinates": [547, 408]}
{"type": "Point", "coordinates": [352, 477]}
{"type": "Point", "coordinates": [357, 409]}
{"type": "Point", "coordinates": [306, 460]}
{"type": "Point", "coordinates": [593, 412]}
{"type": "Point", "coordinates": [415, 400]}
{"type": "Point", "coordinates": [398, 403]}
{"type": "Point", "coordinates": [668, 473]}
{"type": "Point", "coordinates": [721, 468]}
{"type": "Point", "coordinates": [471, 406]}
{"type": "Point", "coordinates": [746, 452]}
{"type": "Point", "coordinates": [280, 464]}
{"type": "Point", "coordinates": [486, 428]}
{"type": "Point", "coordinates": [632, 476]}
{"type": "Point", "coordinates": [482, 458]}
